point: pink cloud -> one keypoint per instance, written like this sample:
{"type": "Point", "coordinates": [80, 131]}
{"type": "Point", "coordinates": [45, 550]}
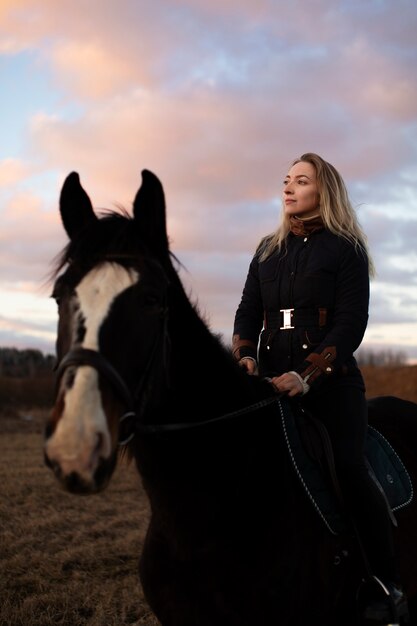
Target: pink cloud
{"type": "Point", "coordinates": [92, 69]}
{"type": "Point", "coordinates": [12, 171]}
{"type": "Point", "coordinates": [216, 98]}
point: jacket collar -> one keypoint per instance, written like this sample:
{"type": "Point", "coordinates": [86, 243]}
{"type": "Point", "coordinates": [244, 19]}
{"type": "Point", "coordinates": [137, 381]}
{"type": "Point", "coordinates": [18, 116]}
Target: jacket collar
{"type": "Point", "coordinates": [304, 227]}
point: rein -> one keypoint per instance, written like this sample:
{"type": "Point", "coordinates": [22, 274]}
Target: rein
{"type": "Point", "coordinates": [164, 428]}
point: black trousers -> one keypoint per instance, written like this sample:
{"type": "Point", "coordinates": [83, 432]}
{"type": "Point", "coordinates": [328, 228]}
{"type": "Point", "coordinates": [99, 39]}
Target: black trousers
{"type": "Point", "coordinates": [343, 410]}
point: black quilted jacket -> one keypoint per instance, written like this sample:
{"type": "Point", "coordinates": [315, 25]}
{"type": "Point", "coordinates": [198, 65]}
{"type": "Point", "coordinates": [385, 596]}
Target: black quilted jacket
{"type": "Point", "coordinates": [323, 283]}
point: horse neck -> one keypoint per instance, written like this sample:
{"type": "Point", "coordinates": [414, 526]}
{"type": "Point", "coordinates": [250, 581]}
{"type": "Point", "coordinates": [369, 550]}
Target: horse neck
{"type": "Point", "coordinates": [200, 370]}
{"type": "Point", "coordinates": [204, 374]}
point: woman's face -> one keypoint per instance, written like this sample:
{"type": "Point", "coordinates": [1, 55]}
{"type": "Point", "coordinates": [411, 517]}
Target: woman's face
{"type": "Point", "coordinates": [300, 192]}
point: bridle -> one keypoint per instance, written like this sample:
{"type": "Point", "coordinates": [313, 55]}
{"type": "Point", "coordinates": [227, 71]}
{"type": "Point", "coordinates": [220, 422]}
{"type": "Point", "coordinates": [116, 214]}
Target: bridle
{"type": "Point", "coordinates": [79, 356]}
{"type": "Point", "coordinates": [84, 356]}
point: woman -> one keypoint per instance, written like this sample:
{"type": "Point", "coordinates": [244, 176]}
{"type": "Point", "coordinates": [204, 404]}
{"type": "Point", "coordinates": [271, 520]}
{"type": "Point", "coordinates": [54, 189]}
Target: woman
{"type": "Point", "coordinates": [302, 315]}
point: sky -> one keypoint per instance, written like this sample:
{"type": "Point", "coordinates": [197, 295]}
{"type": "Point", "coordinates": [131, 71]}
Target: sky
{"type": "Point", "coordinates": [216, 98]}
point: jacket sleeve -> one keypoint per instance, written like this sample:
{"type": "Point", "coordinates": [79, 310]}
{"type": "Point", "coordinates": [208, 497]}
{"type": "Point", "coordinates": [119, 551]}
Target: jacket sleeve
{"type": "Point", "coordinates": [248, 321]}
{"type": "Point", "coordinates": [349, 318]}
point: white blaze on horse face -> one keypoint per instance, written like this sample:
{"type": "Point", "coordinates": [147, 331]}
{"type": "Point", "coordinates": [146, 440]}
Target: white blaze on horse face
{"type": "Point", "coordinates": [82, 437]}
{"type": "Point", "coordinates": [96, 293]}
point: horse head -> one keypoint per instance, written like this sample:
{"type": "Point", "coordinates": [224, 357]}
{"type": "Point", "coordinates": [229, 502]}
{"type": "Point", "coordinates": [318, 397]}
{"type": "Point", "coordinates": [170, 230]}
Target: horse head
{"type": "Point", "coordinates": [111, 281]}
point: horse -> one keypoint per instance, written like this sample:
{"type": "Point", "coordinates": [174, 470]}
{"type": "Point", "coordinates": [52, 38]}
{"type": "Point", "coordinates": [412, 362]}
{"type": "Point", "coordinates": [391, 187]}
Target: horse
{"type": "Point", "coordinates": [232, 539]}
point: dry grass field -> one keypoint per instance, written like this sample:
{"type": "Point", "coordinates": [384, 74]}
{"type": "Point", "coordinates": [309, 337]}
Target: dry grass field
{"type": "Point", "coordinates": [72, 560]}
{"type": "Point", "coordinates": [65, 559]}
{"type": "Point", "coordinates": [400, 381]}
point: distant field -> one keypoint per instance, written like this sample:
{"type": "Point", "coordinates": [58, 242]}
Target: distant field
{"type": "Point", "coordinates": [71, 560]}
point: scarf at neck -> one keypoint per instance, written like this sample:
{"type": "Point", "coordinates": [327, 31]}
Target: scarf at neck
{"type": "Point", "coordinates": [304, 227]}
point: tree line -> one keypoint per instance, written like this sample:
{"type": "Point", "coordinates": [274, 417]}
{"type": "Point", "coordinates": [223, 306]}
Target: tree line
{"type": "Point", "coordinates": [381, 358]}
{"type": "Point", "coordinates": [28, 363]}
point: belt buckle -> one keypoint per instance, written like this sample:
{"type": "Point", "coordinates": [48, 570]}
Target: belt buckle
{"type": "Point", "coordinates": [286, 319]}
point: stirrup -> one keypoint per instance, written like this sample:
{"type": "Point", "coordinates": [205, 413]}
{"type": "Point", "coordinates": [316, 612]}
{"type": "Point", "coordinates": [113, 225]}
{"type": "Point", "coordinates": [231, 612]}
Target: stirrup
{"type": "Point", "coordinates": [382, 609]}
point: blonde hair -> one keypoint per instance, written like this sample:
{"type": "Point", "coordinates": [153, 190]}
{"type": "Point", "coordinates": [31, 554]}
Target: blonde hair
{"type": "Point", "coordinates": [337, 213]}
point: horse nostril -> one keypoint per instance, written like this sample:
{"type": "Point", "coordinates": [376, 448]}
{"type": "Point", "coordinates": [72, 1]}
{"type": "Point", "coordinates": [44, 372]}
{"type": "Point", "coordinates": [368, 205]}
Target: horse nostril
{"type": "Point", "coordinates": [74, 483]}
{"type": "Point", "coordinates": [72, 480]}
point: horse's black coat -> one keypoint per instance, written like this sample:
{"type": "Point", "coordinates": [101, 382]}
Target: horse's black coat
{"type": "Point", "coordinates": [232, 538]}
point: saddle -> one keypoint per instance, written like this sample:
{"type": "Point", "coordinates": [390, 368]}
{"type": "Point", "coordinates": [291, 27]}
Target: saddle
{"type": "Point", "coordinates": [311, 455]}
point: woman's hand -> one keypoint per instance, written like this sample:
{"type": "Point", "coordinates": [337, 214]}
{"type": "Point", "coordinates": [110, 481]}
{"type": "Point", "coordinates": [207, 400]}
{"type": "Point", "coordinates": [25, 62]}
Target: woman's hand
{"type": "Point", "coordinates": [288, 383]}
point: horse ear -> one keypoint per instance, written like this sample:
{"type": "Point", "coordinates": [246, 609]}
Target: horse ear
{"type": "Point", "coordinates": [149, 212]}
{"type": "Point", "coordinates": [75, 206]}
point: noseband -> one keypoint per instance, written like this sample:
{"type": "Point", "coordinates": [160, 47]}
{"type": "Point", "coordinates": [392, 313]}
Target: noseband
{"type": "Point", "coordinates": [84, 356]}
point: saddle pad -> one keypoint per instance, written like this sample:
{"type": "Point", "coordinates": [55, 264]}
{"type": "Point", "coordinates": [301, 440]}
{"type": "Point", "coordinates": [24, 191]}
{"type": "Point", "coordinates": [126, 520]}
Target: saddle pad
{"type": "Point", "coordinates": [389, 470]}
{"type": "Point", "coordinates": [384, 461]}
